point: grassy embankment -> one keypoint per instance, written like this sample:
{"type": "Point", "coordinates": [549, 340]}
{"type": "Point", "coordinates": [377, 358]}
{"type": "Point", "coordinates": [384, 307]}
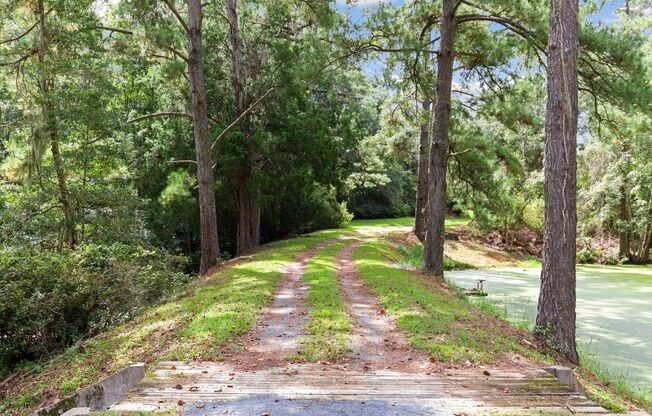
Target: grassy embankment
{"type": "Point", "coordinates": [442, 321]}
{"type": "Point", "coordinates": [201, 321]}
{"type": "Point", "coordinates": [198, 324]}
{"type": "Point", "coordinates": [437, 317]}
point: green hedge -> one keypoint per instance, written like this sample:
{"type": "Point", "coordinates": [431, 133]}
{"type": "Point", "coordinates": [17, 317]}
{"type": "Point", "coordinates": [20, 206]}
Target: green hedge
{"type": "Point", "coordinates": [49, 300]}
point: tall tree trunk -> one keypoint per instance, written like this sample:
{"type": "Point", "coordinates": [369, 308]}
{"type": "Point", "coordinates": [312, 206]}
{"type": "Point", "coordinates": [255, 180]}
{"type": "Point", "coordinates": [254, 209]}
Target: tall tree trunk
{"type": "Point", "coordinates": [237, 78]}
{"type": "Point", "coordinates": [623, 235]}
{"type": "Point", "coordinates": [422, 175]}
{"type": "Point", "coordinates": [433, 255]}
{"type": "Point", "coordinates": [645, 242]}
{"type": "Point", "coordinates": [556, 312]}
{"type": "Point", "coordinates": [70, 230]}
{"type": "Point", "coordinates": [248, 209]}
{"type": "Point", "coordinates": [210, 250]}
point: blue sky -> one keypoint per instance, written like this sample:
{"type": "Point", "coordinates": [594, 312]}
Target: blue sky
{"type": "Point", "coordinates": [356, 10]}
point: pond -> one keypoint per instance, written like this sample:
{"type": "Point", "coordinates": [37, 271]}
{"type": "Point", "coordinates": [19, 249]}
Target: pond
{"type": "Point", "coordinates": [614, 311]}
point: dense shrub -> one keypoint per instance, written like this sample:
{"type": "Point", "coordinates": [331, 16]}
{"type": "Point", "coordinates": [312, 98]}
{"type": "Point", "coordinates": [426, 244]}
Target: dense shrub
{"type": "Point", "coordinates": [533, 215]}
{"type": "Point", "coordinates": [396, 198]}
{"type": "Point", "coordinates": [51, 299]}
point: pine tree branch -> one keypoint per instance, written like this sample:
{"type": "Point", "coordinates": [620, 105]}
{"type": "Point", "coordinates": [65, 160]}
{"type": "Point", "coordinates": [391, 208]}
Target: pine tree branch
{"type": "Point", "coordinates": [176, 14]}
{"type": "Point", "coordinates": [161, 114]}
{"type": "Point", "coordinates": [241, 117]}
{"type": "Point", "coordinates": [19, 37]}
{"type": "Point", "coordinates": [21, 59]}
{"type": "Point", "coordinates": [115, 29]}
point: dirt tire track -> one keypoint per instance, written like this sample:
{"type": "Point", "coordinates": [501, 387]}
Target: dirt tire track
{"type": "Point", "coordinates": [376, 341]}
{"type": "Point", "coordinates": [278, 332]}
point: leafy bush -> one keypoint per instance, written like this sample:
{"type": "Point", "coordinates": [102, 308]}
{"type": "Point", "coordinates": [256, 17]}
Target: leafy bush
{"type": "Point", "coordinates": [533, 215]}
{"type": "Point", "coordinates": [49, 300]}
{"type": "Point", "coordinates": [584, 255]}
{"type": "Point", "coordinates": [328, 212]}
{"type": "Point", "coordinates": [389, 200]}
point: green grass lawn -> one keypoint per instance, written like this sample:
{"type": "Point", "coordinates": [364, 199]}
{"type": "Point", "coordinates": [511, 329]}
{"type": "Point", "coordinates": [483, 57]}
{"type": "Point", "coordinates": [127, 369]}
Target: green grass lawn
{"type": "Point", "coordinates": [329, 325]}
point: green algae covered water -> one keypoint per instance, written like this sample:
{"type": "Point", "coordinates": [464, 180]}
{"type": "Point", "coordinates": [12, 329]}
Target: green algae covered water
{"type": "Point", "coordinates": [614, 311]}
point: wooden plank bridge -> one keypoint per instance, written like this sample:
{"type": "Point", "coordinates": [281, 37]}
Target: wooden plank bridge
{"type": "Point", "coordinates": [204, 386]}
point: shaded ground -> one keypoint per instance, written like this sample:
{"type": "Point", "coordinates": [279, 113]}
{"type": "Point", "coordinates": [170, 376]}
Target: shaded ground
{"type": "Point", "coordinates": [463, 251]}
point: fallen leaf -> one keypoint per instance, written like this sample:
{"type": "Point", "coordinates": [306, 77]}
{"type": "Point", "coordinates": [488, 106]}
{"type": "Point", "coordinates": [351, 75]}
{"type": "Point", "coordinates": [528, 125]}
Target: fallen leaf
{"type": "Point", "coordinates": [174, 367]}
{"type": "Point", "coordinates": [180, 402]}
{"type": "Point", "coordinates": [193, 388]}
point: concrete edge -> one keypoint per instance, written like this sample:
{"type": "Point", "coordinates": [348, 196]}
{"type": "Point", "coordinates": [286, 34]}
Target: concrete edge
{"type": "Point", "coordinates": [98, 396]}
{"type": "Point", "coordinates": [566, 376]}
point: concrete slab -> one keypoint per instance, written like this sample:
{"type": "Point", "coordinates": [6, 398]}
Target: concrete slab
{"type": "Point", "coordinates": [101, 395]}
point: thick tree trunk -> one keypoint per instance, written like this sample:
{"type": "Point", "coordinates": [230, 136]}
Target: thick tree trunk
{"type": "Point", "coordinates": [433, 255]}
{"type": "Point", "coordinates": [237, 78]}
{"type": "Point", "coordinates": [422, 178]}
{"type": "Point", "coordinates": [556, 314]}
{"type": "Point", "coordinates": [207, 213]}
{"type": "Point", "coordinates": [645, 242]}
{"type": "Point", "coordinates": [624, 249]}
{"type": "Point", "coordinates": [248, 229]}
{"type": "Point", "coordinates": [70, 230]}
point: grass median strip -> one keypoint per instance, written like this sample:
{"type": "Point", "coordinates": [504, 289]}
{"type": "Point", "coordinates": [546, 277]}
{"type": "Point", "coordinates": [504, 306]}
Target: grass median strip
{"type": "Point", "coordinates": [434, 316]}
{"type": "Point", "coordinates": [329, 325]}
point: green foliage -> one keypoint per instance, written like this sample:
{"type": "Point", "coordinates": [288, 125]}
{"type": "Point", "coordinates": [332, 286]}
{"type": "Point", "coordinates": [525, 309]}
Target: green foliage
{"type": "Point", "coordinates": [50, 300]}
{"type": "Point", "coordinates": [390, 200]}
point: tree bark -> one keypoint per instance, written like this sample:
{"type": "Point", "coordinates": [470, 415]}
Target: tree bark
{"type": "Point", "coordinates": [248, 209]}
{"type": "Point", "coordinates": [207, 212]}
{"type": "Point", "coordinates": [645, 242]}
{"type": "Point", "coordinates": [422, 178]}
{"type": "Point", "coordinates": [237, 78]}
{"type": "Point", "coordinates": [433, 255]}
{"type": "Point", "coordinates": [623, 234]}
{"type": "Point", "coordinates": [556, 310]}
{"type": "Point", "coordinates": [51, 130]}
